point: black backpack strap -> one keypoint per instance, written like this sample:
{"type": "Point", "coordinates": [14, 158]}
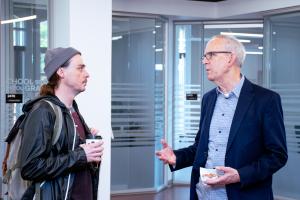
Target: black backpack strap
{"type": "Point", "coordinates": [15, 129]}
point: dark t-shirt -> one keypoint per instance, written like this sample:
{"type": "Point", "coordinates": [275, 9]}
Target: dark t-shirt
{"type": "Point", "coordinates": [82, 187]}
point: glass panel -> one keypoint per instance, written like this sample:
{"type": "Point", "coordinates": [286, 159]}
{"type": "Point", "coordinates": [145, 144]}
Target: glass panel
{"type": "Point", "coordinates": [159, 96]}
{"type": "Point", "coordinates": [284, 78]}
{"type": "Point", "coordinates": [187, 89]}
{"type": "Point", "coordinates": [137, 102]}
{"type": "Point", "coordinates": [23, 44]}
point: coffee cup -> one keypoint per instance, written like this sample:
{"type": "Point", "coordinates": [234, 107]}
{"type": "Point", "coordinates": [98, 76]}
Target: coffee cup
{"type": "Point", "coordinates": [95, 139]}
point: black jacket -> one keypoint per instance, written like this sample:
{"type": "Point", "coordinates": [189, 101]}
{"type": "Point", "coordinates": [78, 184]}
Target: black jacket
{"type": "Point", "coordinates": [55, 166]}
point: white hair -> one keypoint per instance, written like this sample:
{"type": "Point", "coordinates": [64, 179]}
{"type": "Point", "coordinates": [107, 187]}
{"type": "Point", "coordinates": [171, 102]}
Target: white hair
{"type": "Point", "coordinates": [233, 45]}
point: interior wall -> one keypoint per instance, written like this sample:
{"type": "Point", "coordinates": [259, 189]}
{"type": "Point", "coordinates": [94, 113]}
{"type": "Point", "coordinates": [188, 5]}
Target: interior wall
{"type": "Point", "coordinates": [91, 34]}
{"type": "Point", "coordinates": [59, 30]}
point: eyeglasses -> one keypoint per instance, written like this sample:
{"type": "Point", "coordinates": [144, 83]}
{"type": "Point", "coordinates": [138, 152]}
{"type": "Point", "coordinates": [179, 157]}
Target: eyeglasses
{"type": "Point", "coordinates": [210, 54]}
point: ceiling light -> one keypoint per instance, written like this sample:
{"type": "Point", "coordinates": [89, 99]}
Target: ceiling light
{"type": "Point", "coordinates": [214, 26]}
{"type": "Point", "coordinates": [244, 41]}
{"type": "Point", "coordinates": [254, 52]}
{"type": "Point", "coordinates": [255, 35]}
{"type": "Point", "coordinates": [18, 19]}
{"type": "Point", "coordinates": [117, 37]}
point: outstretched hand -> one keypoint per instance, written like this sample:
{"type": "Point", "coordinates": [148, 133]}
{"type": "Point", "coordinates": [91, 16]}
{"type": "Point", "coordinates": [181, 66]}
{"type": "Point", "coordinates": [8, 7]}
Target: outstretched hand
{"type": "Point", "coordinates": [230, 176]}
{"type": "Point", "coordinates": [166, 154]}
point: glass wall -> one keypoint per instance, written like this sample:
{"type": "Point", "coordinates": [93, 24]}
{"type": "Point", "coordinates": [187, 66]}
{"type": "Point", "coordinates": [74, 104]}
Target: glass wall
{"type": "Point", "coordinates": [283, 44]}
{"type": "Point", "coordinates": [138, 49]}
{"type": "Point", "coordinates": [24, 40]}
{"type": "Point", "coordinates": [187, 88]}
{"type": "Point", "coordinates": [190, 82]}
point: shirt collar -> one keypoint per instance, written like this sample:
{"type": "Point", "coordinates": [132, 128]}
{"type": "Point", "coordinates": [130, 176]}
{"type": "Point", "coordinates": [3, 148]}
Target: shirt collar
{"type": "Point", "coordinates": [236, 90]}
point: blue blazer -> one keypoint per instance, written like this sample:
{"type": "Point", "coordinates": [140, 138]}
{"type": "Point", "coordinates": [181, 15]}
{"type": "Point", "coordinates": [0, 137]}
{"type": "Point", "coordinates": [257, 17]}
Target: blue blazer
{"type": "Point", "coordinates": [256, 145]}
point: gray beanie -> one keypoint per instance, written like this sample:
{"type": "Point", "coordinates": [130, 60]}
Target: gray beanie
{"type": "Point", "coordinates": [55, 58]}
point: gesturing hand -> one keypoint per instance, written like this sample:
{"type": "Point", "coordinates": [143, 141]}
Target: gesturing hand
{"type": "Point", "coordinates": [230, 176]}
{"type": "Point", "coordinates": [166, 154]}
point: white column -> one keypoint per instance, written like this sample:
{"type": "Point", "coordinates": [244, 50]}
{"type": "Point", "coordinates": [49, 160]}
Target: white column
{"type": "Point", "coordinates": [87, 26]}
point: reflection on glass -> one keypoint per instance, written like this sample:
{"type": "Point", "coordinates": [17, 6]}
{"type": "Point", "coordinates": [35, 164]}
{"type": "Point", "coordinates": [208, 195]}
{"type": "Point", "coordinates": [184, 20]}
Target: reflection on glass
{"type": "Point", "coordinates": [137, 102]}
{"type": "Point", "coordinates": [187, 82]}
{"type": "Point", "coordinates": [19, 33]}
{"type": "Point", "coordinates": [283, 54]}
{"type": "Point", "coordinates": [23, 28]}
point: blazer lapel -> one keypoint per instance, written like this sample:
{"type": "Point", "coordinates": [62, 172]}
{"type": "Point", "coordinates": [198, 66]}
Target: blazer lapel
{"type": "Point", "coordinates": [245, 98]}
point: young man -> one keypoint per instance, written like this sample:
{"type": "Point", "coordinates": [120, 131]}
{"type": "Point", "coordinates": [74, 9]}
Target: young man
{"type": "Point", "coordinates": [67, 169]}
{"type": "Point", "coordinates": [241, 131]}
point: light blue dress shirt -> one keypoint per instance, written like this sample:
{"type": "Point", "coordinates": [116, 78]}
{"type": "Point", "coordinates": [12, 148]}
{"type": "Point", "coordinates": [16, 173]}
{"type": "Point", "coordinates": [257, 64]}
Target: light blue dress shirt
{"type": "Point", "coordinates": [218, 138]}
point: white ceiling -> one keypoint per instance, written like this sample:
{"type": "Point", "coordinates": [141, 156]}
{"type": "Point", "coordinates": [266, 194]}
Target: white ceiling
{"type": "Point", "coordinates": [185, 9]}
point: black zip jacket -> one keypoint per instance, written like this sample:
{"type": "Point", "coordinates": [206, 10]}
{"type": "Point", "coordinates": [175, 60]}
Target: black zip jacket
{"type": "Point", "coordinates": [53, 166]}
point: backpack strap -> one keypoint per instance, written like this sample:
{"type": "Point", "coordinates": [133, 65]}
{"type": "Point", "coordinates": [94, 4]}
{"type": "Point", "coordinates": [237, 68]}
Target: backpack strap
{"type": "Point", "coordinates": [58, 121]}
{"type": "Point", "coordinates": [56, 133]}
{"type": "Point", "coordinates": [37, 194]}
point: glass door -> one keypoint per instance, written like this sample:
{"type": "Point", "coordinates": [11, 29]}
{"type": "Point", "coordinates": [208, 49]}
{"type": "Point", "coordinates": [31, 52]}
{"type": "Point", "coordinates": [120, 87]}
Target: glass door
{"type": "Point", "coordinates": [138, 123]}
{"type": "Point", "coordinates": [282, 60]}
{"type": "Point", "coordinates": [23, 41]}
{"type": "Point", "coordinates": [187, 89]}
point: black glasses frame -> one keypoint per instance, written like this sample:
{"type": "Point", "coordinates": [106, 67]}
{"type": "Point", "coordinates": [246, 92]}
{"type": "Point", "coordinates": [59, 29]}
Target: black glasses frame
{"type": "Point", "coordinates": [210, 54]}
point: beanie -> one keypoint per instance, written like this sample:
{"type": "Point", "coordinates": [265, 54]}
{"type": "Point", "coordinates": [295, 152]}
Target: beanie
{"type": "Point", "coordinates": [55, 58]}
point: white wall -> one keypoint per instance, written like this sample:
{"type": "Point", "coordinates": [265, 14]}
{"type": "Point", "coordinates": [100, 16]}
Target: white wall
{"type": "Point", "coordinates": [59, 30]}
{"type": "Point", "coordinates": [86, 26]}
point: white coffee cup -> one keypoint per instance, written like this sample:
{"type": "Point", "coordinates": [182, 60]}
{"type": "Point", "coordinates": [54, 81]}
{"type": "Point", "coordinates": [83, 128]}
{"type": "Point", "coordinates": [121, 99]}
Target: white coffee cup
{"type": "Point", "coordinates": [89, 141]}
{"type": "Point", "coordinates": [97, 138]}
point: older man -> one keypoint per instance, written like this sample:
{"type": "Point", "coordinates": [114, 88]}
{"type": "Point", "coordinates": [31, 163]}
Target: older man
{"type": "Point", "coordinates": [241, 131]}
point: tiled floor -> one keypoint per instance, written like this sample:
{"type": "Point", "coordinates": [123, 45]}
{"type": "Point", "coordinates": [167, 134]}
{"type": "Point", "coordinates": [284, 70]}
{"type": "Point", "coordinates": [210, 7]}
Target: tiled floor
{"type": "Point", "coordinates": [173, 193]}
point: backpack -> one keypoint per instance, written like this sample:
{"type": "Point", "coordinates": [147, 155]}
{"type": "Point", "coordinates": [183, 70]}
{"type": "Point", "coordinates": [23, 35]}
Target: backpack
{"type": "Point", "coordinates": [16, 184]}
